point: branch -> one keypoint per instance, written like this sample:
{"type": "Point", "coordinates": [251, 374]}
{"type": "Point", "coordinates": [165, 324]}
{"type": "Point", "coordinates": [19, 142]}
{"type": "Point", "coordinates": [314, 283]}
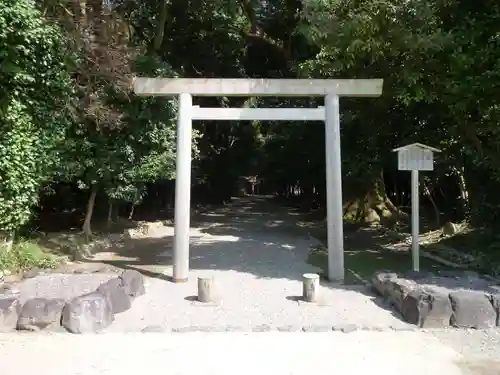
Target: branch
{"type": "Point", "coordinates": [247, 9]}
{"type": "Point", "coordinates": [256, 32]}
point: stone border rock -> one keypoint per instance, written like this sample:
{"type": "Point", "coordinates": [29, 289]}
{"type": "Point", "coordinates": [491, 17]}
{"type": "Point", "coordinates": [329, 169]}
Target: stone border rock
{"type": "Point", "coordinates": [88, 313]}
{"type": "Point", "coordinates": [437, 307]}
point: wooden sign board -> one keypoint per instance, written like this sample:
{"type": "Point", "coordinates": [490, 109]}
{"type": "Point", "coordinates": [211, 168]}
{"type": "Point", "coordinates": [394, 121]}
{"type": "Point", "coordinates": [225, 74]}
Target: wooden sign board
{"type": "Point", "coordinates": [416, 157]}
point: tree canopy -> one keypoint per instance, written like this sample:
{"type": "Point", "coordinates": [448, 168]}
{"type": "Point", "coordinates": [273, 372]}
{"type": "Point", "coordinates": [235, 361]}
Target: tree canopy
{"type": "Point", "coordinates": [74, 137]}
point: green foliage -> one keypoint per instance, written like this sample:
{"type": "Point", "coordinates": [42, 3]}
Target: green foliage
{"type": "Point", "coordinates": [67, 113]}
{"type": "Point", "coordinates": [33, 87]}
{"type": "Point", "coordinates": [439, 61]}
{"type": "Point", "coordinates": [121, 157]}
{"type": "Point", "coordinates": [20, 163]}
{"type": "Point", "coordinates": [33, 66]}
{"type": "Point", "coordinates": [26, 255]}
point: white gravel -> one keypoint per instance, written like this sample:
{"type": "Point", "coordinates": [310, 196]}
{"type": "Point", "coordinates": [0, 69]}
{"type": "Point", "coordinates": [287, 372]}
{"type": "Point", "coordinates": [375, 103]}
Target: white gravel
{"type": "Point", "coordinates": [258, 280]}
{"type": "Point", "coordinates": [257, 263]}
{"type": "Point", "coordinates": [479, 349]}
{"type": "Point", "coordinates": [384, 353]}
{"type": "Point", "coordinates": [481, 344]}
{"type": "Point", "coordinates": [257, 259]}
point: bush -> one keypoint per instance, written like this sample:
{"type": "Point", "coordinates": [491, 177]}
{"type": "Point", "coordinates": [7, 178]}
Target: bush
{"type": "Point", "coordinates": [26, 255]}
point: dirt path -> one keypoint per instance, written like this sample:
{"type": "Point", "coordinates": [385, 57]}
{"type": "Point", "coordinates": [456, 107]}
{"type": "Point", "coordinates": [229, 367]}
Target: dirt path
{"type": "Point", "coordinates": [245, 218]}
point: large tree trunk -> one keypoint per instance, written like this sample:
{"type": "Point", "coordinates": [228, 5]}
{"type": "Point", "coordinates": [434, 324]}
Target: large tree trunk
{"type": "Point", "coordinates": [372, 206]}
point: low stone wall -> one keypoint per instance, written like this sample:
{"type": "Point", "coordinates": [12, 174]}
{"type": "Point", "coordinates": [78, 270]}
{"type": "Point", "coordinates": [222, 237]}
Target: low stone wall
{"type": "Point", "coordinates": [460, 299]}
{"type": "Point", "coordinates": [87, 313]}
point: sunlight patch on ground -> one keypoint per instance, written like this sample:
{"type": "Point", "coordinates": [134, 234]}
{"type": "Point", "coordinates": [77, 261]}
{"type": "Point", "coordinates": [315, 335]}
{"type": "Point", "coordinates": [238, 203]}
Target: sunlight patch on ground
{"type": "Point", "coordinates": [274, 223]}
{"type": "Point", "coordinates": [216, 238]}
{"type": "Point", "coordinates": [284, 246]}
{"type": "Point", "coordinates": [112, 255]}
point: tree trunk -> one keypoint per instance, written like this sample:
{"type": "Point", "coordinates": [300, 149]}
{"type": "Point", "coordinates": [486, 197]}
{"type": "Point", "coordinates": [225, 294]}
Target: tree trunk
{"type": "Point", "coordinates": [134, 204]}
{"type": "Point", "coordinates": [87, 228]}
{"type": "Point", "coordinates": [131, 213]}
{"type": "Point", "coordinates": [373, 206]}
{"type": "Point", "coordinates": [464, 193]}
{"type": "Point", "coordinates": [160, 28]}
{"type": "Point", "coordinates": [109, 221]}
{"type": "Point", "coordinates": [7, 241]}
{"type": "Point", "coordinates": [437, 213]}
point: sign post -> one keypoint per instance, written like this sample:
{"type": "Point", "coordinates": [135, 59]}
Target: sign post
{"type": "Point", "coordinates": [415, 157]}
{"type": "Point", "coordinates": [415, 220]}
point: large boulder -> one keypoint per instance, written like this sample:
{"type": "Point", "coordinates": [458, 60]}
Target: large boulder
{"type": "Point", "coordinates": [398, 289]}
{"type": "Point", "coordinates": [87, 314]}
{"type": "Point", "coordinates": [9, 313]}
{"type": "Point", "coordinates": [40, 313]}
{"type": "Point", "coordinates": [472, 309]}
{"type": "Point", "coordinates": [427, 309]}
{"type": "Point", "coordinates": [117, 295]}
{"type": "Point", "coordinates": [380, 281]}
{"type": "Point", "coordinates": [133, 282]}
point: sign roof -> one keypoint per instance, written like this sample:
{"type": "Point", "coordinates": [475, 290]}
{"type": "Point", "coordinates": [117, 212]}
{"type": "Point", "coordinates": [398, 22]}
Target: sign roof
{"type": "Point", "coordinates": [416, 145]}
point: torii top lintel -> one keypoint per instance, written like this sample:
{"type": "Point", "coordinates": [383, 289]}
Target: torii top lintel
{"type": "Point", "coordinates": [258, 87]}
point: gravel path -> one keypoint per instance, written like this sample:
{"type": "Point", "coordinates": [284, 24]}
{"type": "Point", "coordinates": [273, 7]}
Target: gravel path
{"type": "Point", "coordinates": [384, 353]}
{"type": "Point", "coordinates": [479, 348]}
{"type": "Point", "coordinates": [483, 344]}
{"type": "Point", "coordinates": [248, 301]}
{"type": "Point", "coordinates": [257, 258]}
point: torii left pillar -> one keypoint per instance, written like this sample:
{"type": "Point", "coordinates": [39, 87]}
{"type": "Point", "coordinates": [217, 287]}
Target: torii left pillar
{"type": "Point", "coordinates": [183, 188]}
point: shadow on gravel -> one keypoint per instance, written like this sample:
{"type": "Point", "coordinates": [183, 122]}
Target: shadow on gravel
{"type": "Point", "coordinates": [251, 236]}
{"type": "Point", "coordinates": [256, 236]}
{"type": "Point", "coordinates": [262, 257]}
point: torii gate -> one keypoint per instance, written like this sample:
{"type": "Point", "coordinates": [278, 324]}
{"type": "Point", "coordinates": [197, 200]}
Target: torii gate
{"type": "Point", "coordinates": [330, 89]}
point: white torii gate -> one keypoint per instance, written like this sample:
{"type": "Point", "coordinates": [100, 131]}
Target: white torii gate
{"type": "Point", "coordinates": [330, 89]}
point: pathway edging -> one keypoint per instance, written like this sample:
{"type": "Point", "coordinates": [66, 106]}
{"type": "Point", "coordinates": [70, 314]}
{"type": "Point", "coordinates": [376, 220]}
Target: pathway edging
{"type": "Point", "coordinates": [90, 312]}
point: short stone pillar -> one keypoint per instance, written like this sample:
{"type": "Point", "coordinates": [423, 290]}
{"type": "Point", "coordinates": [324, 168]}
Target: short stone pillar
{"type": "Point", "coordinates": [206, 292]}
{"type": "Point", "coordinates": [310, 287]}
